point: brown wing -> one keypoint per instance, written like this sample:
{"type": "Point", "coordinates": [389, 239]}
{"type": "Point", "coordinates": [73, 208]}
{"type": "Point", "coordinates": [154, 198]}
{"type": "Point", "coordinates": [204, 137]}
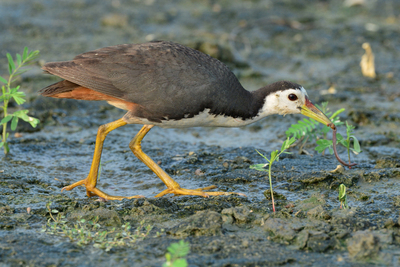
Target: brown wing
{"type": "Point", "coordinates": [165, 78]}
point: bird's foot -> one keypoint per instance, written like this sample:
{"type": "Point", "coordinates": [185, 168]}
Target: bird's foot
{"type": "Point", "coordinates": [96, 192]}
{"type": "Point", "coordinates": [196, 192]}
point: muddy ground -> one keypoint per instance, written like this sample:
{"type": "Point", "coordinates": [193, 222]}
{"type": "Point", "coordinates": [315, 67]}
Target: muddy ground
{"type": "Point", "coordinates": [314, 43]}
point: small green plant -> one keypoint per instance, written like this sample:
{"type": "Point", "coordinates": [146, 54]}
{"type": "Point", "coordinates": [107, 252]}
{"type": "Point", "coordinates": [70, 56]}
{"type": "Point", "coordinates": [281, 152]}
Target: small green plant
{"type": "Point", "coordinates": [9, 93]}
{"type": "Point", "coordinates": [311, 129]}
{"type": "Point", "coordinates": [308, 129]}
{"type": "Point", "coordinates": [175, 257]}
{"type": "Point", "coordinates": [85, 232]}
{"type": "Point", "coordinates": [343, 197]}
{"type": "Point", "coordinates": [274, 157]}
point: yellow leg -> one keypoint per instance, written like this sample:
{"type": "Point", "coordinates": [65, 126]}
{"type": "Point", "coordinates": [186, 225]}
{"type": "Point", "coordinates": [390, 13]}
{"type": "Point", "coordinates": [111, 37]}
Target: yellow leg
{"type": "Point", "coordinates": [172, 186]}
{"type": "Point", "coordinates": [91, 180]}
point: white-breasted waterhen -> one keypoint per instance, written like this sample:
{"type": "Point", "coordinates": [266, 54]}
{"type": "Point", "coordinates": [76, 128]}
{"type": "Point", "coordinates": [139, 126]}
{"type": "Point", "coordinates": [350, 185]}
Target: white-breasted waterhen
{"type": "Point", "coordinates": [168, 85]}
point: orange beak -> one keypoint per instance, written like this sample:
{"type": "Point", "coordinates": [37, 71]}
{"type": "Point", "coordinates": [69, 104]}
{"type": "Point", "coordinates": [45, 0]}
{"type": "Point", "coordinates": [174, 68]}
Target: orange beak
{"type": "Point", "coordinates": [309, 110]}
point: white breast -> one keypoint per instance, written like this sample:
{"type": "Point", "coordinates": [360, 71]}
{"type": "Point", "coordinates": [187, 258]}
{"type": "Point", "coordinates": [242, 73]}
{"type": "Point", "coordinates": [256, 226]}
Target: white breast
{"type": "Point", "coordinates": [203, 119]}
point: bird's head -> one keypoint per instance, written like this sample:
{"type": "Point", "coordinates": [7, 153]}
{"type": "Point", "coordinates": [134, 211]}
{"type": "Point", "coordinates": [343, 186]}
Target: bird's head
{"type": "Point", "coordinates": [291, 98]}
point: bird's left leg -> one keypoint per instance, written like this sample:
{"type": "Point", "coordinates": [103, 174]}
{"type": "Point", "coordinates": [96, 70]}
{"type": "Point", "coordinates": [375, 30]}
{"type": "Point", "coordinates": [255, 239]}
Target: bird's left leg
{"type": "Point", "coordinates": [90, 181]}
{"type": "Point", "coordinates": [172, 186]}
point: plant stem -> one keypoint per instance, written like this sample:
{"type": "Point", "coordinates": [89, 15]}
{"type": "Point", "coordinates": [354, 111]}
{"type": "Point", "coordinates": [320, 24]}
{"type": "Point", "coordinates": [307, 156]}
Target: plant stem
{"type": "Point", "coordinates": [6, 100]}
{"type": "Point", "coordinates": [348, 146]}
{"type": "Point", "coordinates": [5, 115]}
{"type": "Point", "coordinates": [270, 186]}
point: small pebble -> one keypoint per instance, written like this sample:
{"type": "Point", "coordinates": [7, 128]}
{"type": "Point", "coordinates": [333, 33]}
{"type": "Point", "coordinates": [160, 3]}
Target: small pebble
{"type": "Point", "coordinates": [199, 172]}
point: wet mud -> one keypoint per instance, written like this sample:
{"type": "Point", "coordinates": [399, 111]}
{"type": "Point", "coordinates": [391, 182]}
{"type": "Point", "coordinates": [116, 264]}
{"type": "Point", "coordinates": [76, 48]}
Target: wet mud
{"type": "Point", "coordinates": [314, 43]}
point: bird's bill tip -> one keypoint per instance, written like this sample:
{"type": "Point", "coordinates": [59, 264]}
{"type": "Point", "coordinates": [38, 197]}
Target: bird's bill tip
{"type": "Point", "coordinates": [310, 110]}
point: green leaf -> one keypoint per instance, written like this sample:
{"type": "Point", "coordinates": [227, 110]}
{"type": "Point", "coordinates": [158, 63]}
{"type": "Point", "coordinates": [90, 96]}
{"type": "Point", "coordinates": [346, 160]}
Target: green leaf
{"type": "Point", "coordinates": [168, 260]}
{"type": "Point", "coordinates": [302, 128]}
{"type": "Point", "coordinates": [322, 145]}
{"type": "Point", "coordinates": [357, 147]}
{"type": "Point", "coordinates": [179, 250]}
{"type": "Point", "coordinates": [274, 155]}
{"type": "Point", "coordinates": [1, 144]}
{"type": "Point", "coordinates": [14, 90]}
{"type": "Point", "coordinates": [284, 145]}
{"type": "Point", "coordinates": [259, 167]}
{"type": "Point", "coordinates": [32, 55]}
{"type": "Point", "coordinates": [19, 100]}
{"type": "Point", "coordinates": [19, 94]}
{"type": "Point", "coordinates": [33, 121]}
{"type": "Point", "coordinates": [22, 114]}
{"type": "Point", "coordinates": [287, 143]}
{"type": "Point", "coordinates": [6, 119]}
{"type": "Point", "coordinates": [337, 113]}
{"type": "Point", "coordinates": [323, 107]}
{"type": "Point", "coordinates": [14, 123]}
{"type": "Point", "coordinates": [11, 65]}
{"type": "Point", "coordinates": [324, 142]}
{"type": "Point", "coordinates": [292, 140]}
{"type": "Point", "coordinates": [342, 192]}
{"type": "Point", "coordinates": [25, 54]}
{"type": "Point", "coordinates": [19, 97]}
{"type": "Point", "coordinates": [325, 129]}
{"type": "Point", "coordinates": [340, 139]}
{"type": "Point", "coordinates": [19, 59]}
{"type": "Point", "coordinates": [180, 263]}
{"type": "Point", "coordinates": [3, 80]}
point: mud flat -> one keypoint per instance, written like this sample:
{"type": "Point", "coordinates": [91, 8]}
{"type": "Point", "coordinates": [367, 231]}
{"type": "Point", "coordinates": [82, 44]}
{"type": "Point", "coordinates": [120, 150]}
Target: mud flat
{"type": "Point", "coordinates": [314, 43]}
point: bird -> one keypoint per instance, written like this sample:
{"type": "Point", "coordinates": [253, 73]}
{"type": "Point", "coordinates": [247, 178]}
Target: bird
{"type": "Point", "coordinates": [168, 85]}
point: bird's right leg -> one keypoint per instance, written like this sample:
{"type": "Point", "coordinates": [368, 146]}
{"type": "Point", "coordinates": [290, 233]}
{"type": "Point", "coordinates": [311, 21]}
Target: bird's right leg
{"type": "Point", "coordinates": [91, 180]}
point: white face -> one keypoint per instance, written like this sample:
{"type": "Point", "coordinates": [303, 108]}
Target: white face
{"type": "Point", "coordinates": [284, 102]}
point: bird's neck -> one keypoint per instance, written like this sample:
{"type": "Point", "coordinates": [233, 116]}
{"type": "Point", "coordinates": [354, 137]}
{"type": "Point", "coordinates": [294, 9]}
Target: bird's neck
{"type": "Point", "coordinates": [264, 102]}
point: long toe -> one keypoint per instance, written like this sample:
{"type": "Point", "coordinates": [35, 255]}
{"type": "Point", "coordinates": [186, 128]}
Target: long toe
{"type": "Point", "coordinates": [196, 192]}
{"type": "Point", "coordinates": [206, 188]}
{"type": "Point", "coordinates": [218, 193]}
{"type": "Point", "coordinates": [101, 194]}
{"type": "Point", "coordinates": [91, 192]}
{"type": "Point", "coordinates": [72, 186]}
{"type": "Point", "coordinates": [182, 191]}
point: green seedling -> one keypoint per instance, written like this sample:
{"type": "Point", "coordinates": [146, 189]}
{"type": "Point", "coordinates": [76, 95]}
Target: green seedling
{"type": "Point", "coordinates": [343, 197]}
{"type": "Point", "coordinates": [175, 257]}
{"type": "Point", "coordinates": [307, 129]}
{"type": "Point", "coordinates": [9, 92]}
{"type": "Point", "coordinates": [274, 157]}
{"type": "Point", "coordinates": [86, 232]}
{"type": "Point", "coordinates": [328, 144]}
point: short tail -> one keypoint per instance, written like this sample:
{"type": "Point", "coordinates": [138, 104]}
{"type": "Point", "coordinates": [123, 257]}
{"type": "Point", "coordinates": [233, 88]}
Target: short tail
{"type": "Point", "coordinates": [58, 88]}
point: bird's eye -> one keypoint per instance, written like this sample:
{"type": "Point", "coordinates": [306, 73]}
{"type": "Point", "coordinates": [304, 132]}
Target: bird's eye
{"type": "Point", "coordinates": [292, 97]}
